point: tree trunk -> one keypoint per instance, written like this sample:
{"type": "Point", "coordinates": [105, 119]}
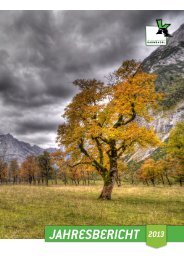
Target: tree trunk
{"type": "Point", "coordinates": [107, 190]}
{"type": "Point", "coordinates": [109, 181]}
{"type": "Point", "coordinates": [180, 182]}
{"type": "Point", "coordinates": [146, 182]}
{"type": "Point", "coordinates": [168, 179]}
{"type": "Point", "coordinates": [46, 181]}
{"type": "Point", "coordinates": [162, 179]}
{"type": "Point", "coordinates": [132, 179]}
{"type": "Point", "coordinates": [56, 180]}
{"type": "Point", "coordinates": [88, 179]}
{"type": "Point", "coordinates": [118, 180]}
{"type": "Point", "coordinates": [111, 176]}
{"type": "Point", "coordinates": [153, 181]}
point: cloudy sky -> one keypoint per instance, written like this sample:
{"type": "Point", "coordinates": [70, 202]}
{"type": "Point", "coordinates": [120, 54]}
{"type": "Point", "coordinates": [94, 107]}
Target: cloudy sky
{"type": "Point", "coordinates": [43, 52]}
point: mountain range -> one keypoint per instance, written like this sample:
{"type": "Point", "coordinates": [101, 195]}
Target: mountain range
{"type": "Point", "coordinates": [11, 148]}
{"type": "Point", "coordinates": [168, 63]}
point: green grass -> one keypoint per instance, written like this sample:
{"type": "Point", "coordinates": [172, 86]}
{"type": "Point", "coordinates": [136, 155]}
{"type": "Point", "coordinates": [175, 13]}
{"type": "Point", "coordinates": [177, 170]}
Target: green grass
{"type": "Point", "coordinates": [25, 210]}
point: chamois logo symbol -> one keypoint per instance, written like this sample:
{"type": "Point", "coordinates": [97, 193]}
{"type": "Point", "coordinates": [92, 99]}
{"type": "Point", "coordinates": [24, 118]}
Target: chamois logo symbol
{"type": "Point", "coordinates": [162, 28]}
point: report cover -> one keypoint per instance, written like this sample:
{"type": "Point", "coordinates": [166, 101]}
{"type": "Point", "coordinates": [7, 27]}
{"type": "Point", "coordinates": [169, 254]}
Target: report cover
{"type": "Point", "coordinates": [92, 130]}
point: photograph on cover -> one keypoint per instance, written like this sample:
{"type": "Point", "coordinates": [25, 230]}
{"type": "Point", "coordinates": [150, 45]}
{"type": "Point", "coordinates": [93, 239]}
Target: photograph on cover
{"type": "Point", "coordinates": [92, 109]}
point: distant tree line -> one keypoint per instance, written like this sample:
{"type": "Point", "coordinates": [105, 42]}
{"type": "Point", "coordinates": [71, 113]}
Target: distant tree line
{"type": "Point", "coordinates": [33, 170]}
{"type": "Point", "coordinates": [165, 168]}
{"type": "Point", "coordinates": [42, 169]}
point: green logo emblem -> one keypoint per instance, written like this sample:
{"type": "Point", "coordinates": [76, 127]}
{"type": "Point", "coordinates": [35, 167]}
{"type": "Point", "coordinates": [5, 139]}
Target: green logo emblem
{"type": "Point", "coordinates": [162, 28]}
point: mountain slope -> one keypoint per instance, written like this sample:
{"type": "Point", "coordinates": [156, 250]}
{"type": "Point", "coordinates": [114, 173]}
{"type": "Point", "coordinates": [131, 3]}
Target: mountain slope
{"type": "Point", "coordinates": [11, 148]}
{"type": "Point", "coordinates": [170, 57]}
{"type": "Point", "coordinates": [167, 62]}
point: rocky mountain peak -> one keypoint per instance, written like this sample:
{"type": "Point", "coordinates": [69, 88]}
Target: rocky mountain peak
{"type": "Point", "coordinates": [11, 148]}
{"type": "Point", "coordinates": [8, 136]}
{"type": "Point", "coordinates": [177, 37]}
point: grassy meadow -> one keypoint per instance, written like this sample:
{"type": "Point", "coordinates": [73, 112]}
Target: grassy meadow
{"type": "Point", "coordinates": [25, 210]}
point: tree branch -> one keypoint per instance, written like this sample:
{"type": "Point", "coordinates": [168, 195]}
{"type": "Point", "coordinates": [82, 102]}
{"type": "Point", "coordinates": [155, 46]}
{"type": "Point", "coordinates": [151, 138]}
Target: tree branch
{"type": "Point", "coordinates": [120, 120]}
{"type": "Point", "coordinates": [79, 163]}
{"type": "Point", "coordinates": [99, 149]}
{"type": "Point", "coordinates": [98, 166]}
{"type": "Point", "coordinates": [105, 140]}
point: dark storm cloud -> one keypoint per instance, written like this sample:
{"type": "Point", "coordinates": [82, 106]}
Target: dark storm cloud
{"type": "Point", "coordinates": [32, 127]}
{"type": "Point", "coordinates": [42, 52]}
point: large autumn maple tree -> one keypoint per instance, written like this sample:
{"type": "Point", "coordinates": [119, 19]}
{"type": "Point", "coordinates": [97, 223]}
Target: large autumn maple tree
{"type": "Point", "coordinates": [105, 123]}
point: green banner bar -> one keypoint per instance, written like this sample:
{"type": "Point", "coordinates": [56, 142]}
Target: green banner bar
{"type": "Point", "coordinates": [95, 234]}
{"type": "Point", "coordinates": [160, 234]}
{"type": "Point", "coordinates": [175, 233]}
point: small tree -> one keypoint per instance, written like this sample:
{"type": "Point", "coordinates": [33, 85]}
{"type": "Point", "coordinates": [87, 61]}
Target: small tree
{"type": "Point", "coordinates": [164, 169]}
{"type": "Point", "coordinates": [148, 172]}
{"type": "Point", "coordinates": [14, 171]}
{"type": "Point", "coordinates": [131, 172]}
{"type": "Point", "coordinates": [3, 171]}
{"type": "Point", "coordinates": [30, 169]}
{"type": "Point", "coordinates": [175, 149]}
{"type": "Point", "coordinates": [59, 158]}
{"type": "Point", "coordinates": [44, 162]}
{"type": "Point", "coordinates": [175, 145]}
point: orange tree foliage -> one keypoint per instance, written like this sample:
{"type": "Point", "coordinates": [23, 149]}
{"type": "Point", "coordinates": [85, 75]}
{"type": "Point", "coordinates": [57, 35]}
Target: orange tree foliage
{"type": "Point", "coordinates": [102, 123]}
{"type": "Point", "coordinates": [175, 150]}
{"type": "Point", "coordinates": [14, 170]}
{"type": "Point", "coordinates": [29, 170]}
{"type": "Point", "coordinates": [67, 171]}
{"type": "Point", "coordinates": [148, 171]}
{"type": "Point", "coordinates": [59, 158]}
{"type": "Point", "coordinates": [3, 171]}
